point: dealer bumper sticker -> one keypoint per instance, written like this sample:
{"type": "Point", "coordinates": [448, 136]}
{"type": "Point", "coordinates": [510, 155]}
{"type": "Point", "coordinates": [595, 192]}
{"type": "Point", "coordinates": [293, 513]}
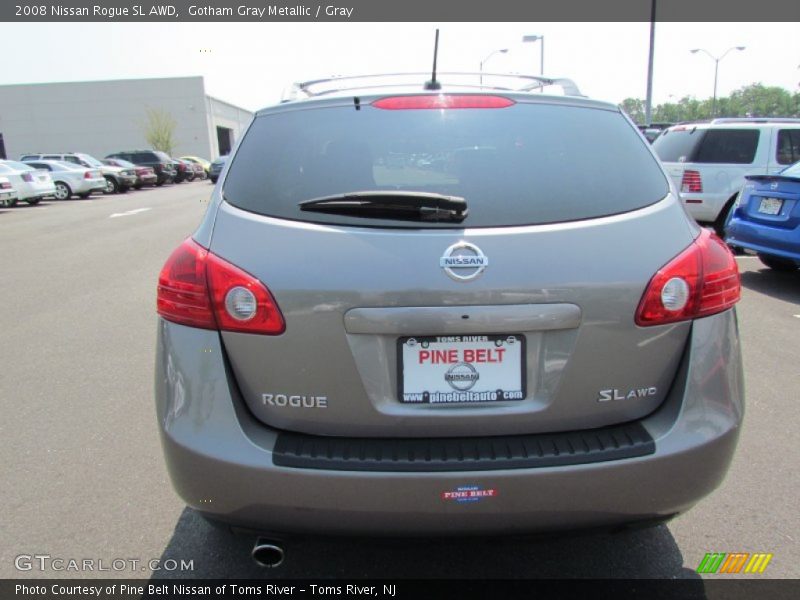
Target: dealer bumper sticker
{"type": "Point", "coordinates": [469, 493]}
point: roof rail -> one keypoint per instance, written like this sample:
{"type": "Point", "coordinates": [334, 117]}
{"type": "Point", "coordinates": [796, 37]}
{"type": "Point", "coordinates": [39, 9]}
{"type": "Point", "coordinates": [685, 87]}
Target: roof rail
{"type": "Point", "coordinates": [756, 120]}
{"type": "Point", "coordinates": [317, 87]}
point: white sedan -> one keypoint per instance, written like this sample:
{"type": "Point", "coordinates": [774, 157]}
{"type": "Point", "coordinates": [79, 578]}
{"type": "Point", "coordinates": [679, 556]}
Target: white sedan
{"type": "Point", "coordinates": [71, 179]}
{"type": "Point", "coordinates": [8, 195]}
{"type": "Point", "coordinates": [31, 185]}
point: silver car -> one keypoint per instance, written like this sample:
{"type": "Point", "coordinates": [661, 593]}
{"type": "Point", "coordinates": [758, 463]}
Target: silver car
{"type": "Point", "coordinates": [71, 179]}
{"type": "Point", "coordinates": [32, 184]}
{"type": "Point", "coordinates": [8, 194]}
{"type": "Point", "coordinates": [118, 179]}
{"type": "Point", "coordinates": [525, 331]}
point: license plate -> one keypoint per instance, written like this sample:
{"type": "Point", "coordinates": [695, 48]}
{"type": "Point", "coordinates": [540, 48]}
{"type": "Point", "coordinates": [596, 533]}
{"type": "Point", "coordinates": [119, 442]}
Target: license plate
{"type": "Point", "coordinates": [461, 369]}
{"type": "Point", "coordinates": [770, 206]}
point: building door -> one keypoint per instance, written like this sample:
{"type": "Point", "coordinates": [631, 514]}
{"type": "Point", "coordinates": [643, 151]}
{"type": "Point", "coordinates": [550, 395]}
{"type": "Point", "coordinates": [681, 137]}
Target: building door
{"type": "Point", "coordinates": [224, 140]}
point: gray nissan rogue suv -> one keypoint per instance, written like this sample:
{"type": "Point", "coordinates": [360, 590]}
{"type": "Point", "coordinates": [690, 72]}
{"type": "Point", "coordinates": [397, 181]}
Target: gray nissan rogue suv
{"type": "Point", "coordinates": [446, 312]}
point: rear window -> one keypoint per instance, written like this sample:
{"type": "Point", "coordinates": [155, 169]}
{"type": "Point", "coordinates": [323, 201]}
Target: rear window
{"type": "Point", "coordinates": [15, 165]}
{"type": "Point", "coordinates": [793, 171]}
{"type": "Point", "coordinates": [678, 145]}
{"type": "Point", "coordinates": [525, 164]}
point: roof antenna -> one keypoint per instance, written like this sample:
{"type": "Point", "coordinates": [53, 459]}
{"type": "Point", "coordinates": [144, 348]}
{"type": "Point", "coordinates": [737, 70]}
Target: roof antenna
{"type": "Point", "coordinates": [433, 84]}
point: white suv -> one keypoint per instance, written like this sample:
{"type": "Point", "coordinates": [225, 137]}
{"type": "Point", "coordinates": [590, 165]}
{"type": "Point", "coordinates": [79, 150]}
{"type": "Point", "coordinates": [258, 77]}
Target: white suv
{"type": "Point", "coordinates": [708, 161]}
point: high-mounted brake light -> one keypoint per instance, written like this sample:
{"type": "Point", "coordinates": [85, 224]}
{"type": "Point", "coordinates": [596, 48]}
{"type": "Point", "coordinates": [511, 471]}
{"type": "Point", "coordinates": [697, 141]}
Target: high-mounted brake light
{"type": "Point", "coordinates": [702, 280]}
{"type": "Point", "coordinates": [199, 289]}
{"type": "Point", "coordinates": [442, 101]}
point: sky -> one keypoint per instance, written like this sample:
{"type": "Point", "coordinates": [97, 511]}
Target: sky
{"type": "Point", "coordinates": [250, 64]}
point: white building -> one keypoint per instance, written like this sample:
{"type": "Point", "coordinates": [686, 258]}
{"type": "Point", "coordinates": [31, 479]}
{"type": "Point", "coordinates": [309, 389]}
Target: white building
{"type": "Point", "coordinates": [101, 117]}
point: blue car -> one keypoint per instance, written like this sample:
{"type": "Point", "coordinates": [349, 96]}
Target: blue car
{"type": "Point", "coordinates": [216, 168]}
{"type": "Point", "coordinates": [767, 218]}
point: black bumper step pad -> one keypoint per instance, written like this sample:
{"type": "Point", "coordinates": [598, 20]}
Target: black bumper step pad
{"type": "Point", "coordinates": [617, 442]}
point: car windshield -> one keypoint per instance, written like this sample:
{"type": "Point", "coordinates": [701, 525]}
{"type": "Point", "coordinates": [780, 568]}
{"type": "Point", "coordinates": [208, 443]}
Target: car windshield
{"type": "Point", "coordinates": [792, 170]}
{"type": "Point", "coordinates": [90, 160]}
{"type": "Point", "coordinates": [529, 163]}
{"type": "Point", "coordinates": [122, 163]}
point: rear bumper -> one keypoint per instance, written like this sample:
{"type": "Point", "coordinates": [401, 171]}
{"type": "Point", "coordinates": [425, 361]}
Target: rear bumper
{"type": "Point", "coordinates": [775, 241]}
{"type": "Point", "coordinates": [36, 190]}
{"type": "Point", "coordinates": [704, 207]}
{"type": "Point", "coordinates": [221, 460]}
{"type": "Point", "coordinates": [147, 179]}
{"type": "Point", "coordinates": [88, 186]}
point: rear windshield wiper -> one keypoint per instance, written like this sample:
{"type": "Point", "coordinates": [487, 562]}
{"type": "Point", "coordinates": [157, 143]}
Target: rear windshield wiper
{"type": "Point", "coordinates": [412, 206]}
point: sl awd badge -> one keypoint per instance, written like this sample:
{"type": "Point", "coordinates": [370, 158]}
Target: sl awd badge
{"type": "Point", "coordinates": [463, 261]}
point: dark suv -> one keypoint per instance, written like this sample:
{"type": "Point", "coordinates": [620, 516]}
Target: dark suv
{"type": "Point", "coordinates": [161, 163]}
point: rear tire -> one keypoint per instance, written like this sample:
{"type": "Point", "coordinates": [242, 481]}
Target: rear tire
{"type": "Point", "coordinates": [33, 201]}
{"type": "Point", "coordinates": [84, 196]}
{"type": "Point", "coordinates": [62, 191]}
{"type": "Point", "coordinates": [138, 186]}
{"type": "Point", "coordinates": [112, 187]}
{"type": "Point", "coordinates": [778, 264]}
{"type": "Point", "coordinates": [724, 216]}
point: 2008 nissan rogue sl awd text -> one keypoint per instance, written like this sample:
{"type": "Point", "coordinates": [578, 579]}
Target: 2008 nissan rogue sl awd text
{"type": "Point", "coordinates": [446, 312]}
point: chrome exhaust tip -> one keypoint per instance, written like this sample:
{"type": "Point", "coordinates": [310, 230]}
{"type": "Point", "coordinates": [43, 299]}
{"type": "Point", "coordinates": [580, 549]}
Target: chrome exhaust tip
{"type": "Point", "coordinates": [267, 553]}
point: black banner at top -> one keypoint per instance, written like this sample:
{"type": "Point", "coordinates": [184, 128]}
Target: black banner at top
{"type": "Point", "coordinates": [397, 10]}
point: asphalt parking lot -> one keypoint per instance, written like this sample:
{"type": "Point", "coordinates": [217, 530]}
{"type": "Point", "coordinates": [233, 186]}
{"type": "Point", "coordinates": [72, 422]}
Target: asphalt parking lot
{"type": "Point", "coordinates": [83, 476]}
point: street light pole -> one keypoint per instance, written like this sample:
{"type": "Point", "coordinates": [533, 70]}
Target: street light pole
{"type": "Point", "coordinates": [500, 51]}
{"type": "Point", "coordinates": [537, 38]}
{"type": "Point", "coordinates": [716, 71]}
{"type": "Point", "coordinates": [648, 105]}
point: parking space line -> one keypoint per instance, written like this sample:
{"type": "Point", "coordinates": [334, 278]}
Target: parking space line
{"type": "Point", "coordinates": [128, 213]}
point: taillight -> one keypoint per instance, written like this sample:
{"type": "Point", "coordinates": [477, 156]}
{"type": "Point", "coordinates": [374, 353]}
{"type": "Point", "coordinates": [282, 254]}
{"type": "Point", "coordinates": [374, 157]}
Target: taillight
{"type": "Point", "coordinates": [88, 175]}
{"type": "Point", "coordinates": [199, 289]}
{"type": "Point", "coordinates": [442, 101]}
{"type": "Point", "coordinates": [4, 185]}
{"type": "Point", "coordinates": [702, 280]}
{"type": "Point", "coordinates": [691, 182]}
{"type": "Point", "coordinates": [27, 177]}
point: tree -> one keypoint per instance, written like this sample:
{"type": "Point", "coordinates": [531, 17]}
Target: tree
{"type": "Point", "coordinates": [757, 100]}
{"type": "Point", "coordinates": [635, 109]}
{"type": "Point", "coordinates": [159, 130]}
{"type": "Point", "coordinates": [754, 100]}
